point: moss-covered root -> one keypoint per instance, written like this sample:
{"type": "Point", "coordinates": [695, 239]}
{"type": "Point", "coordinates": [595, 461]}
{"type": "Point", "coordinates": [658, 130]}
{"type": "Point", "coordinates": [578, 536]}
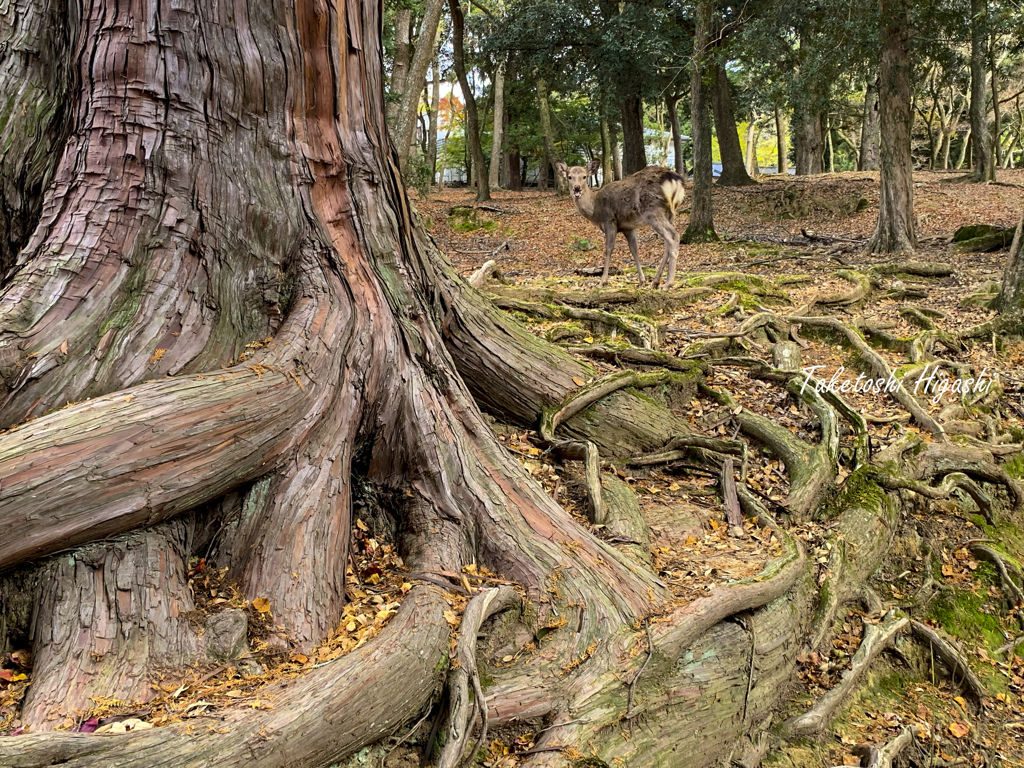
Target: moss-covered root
{"type": "Point", "coordinates": [461, 710]}
{"type": "Point", "coordinates": [876, 639]}
{"type": "Point", "coordinates": [875, 757]}
{"type": "Point", "coordinates": [952, 658]}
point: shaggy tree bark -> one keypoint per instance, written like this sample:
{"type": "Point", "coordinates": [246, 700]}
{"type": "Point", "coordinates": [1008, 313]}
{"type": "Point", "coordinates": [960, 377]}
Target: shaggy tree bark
{"type": "Point", "coordinates": [634, 156]}
{"type": "Point", "coordinates": [701, 227]}
{"type": "Point", "coordinates": [734, 171]}
{"type": "Point", "coordinates": [894, 232]}
{"type": "Point", "coordinates": [672, 105]}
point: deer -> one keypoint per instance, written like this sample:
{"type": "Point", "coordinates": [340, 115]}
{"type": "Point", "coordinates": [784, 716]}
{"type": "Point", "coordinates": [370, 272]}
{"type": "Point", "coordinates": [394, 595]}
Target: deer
{"type": "Point", "coordinates": [650, 196]}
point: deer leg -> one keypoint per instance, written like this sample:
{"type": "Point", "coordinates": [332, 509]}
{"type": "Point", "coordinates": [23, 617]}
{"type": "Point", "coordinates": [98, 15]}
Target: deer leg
{"type": "Point", "coordinates": [609, 246]}
{"type": "Point", "coordinates": [631, 239]}
{"type": "Point", "coordinates": [668, 234]}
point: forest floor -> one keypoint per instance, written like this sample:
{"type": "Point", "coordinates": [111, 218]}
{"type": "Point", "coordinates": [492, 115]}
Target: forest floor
{"type": "Point", "coordinates": [797, 235]}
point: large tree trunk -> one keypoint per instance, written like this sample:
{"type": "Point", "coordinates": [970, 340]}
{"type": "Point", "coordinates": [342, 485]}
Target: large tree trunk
{"type": "Point", "coordinates": [809, 142]}
{"type": "Point", "coordinates": [634, 156]}
{"type": "Point", "coordinates": [479, 168]}
{"type": "Point", "coordinates": [1011, 296]}
{"type": "Point", "coordinates": [734, 172]}
{"type": "Point", "coordinates": [701, 227]}
{"type": "Point", "coordinates": [869, 160]}
{"type": "Point", "coordinates": [984, 167]}
{"type": "Point", "coordinates": [894, 232]}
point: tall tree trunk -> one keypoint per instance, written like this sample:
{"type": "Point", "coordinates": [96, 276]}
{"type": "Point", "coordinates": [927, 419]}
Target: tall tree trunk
{"type": "Point", "coordinates": [830, 146]}
{"type": "Point", "coordinates": [548, 136]}
{"type": "Point", "coordinates": [981, 142]}
{"type": "Point", "coordinates": [672, 105]}
{"type": "Point", "coordinates": [868, 160]}
{"type": "Point", "coordinates": [997, 127]}
{"type": "Point", "coordinates": [634, 155]}
{"type": "Point", "coordinates": [403, 54]}
{"type": "Point", "coordinates": [808, 140]}
{"type": "Point", "coordinates": [476, 151]}
{"type": "Point", "coordinates": [753, 139]}
{"type": "Point", "coordinates": [734, 172]}
{"type": "Point", "coordinates": [894, 232]}
{"type": "Point", "coordinates": [499, 125]}
{"type": "Point", "coordinates": [435, 109]}
{"type": "Point", "coordinates": [616, 152]}
{"type": "Point", "coordinates": [964, 150]}
{"type": "Point", "coordinates": [782, 139]}
{"type": "Point", "coordinates": [701, 227]}
{"type": "Point", "coordinates": [607, 162]}
{"type": "Point", "coordinates": [405, 124]}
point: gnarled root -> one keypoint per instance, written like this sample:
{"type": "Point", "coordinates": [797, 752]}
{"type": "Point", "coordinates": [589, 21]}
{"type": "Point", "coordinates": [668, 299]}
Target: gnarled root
{"type": "Point", "coordinates": [462, 712]}
{"type": "Point", "coordinates": [876, 639]}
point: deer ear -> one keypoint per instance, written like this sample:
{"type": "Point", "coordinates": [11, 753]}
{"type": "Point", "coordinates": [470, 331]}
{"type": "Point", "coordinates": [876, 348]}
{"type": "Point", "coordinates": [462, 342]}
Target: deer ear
{"type": "Point", "coordinates": [594, 166]}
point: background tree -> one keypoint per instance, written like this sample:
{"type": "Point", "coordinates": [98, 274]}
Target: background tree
{"type": "Point", "coordinates": [701, 226]}
{"type": "Point", "coordinates": [894, 231]}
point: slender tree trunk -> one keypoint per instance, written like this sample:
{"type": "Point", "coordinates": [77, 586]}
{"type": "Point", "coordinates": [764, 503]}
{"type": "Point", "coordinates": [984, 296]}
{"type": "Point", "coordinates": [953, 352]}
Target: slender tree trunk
{"type": "Point", "coordinates": [701, 227]}
{"type": "Point", "coordinates": [548, 135]}
{"type": "Point", "coordinates": [894, 232]}
{"type": "Point", "coordinates": [830, 146]}
{"type": "Point", "coordinates": [435, 108]}
{"type": "Point", "coordinates": [782, 140]}
{"type": "Point", "coordinates": [868, 160]}
{"type": "Point", "coordinates": [634, 156]}
{"type": "Point", "coordinates": [403, 53]}
{"type": "Point", "coordinates": [479, 167]}
{"type": "Point", "coordinates": [753, 139]}
{"type": "Point", "coordinates": [983, 168]}
{"type": "Point", "coordinates": [997, 127]}
{"type": "Point", "coordinates": [607, 162]}
{"type": "Point", "coordinates": [672, 105]}
{"type": "Point", "coordinates": [734, 172]}
{"type": "Point", "coordinates": [809, 141]}
{"type": "Point", "coordinates": [405, 124]}
{"type": "Point", "coordinates": [499, 125]}
{"type": "Point", "coordinates": [964, 150]}
{"type": "Point", "coordinates": [616, 152]}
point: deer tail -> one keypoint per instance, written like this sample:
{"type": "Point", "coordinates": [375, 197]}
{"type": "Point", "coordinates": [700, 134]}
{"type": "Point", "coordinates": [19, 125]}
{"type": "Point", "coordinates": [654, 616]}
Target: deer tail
{"type": "Point", "coordinates": [675, 193]}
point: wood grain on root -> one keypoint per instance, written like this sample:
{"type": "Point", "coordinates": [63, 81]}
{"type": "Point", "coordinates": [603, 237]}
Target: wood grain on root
{"type": "Point", "coordinates": [317, 719]}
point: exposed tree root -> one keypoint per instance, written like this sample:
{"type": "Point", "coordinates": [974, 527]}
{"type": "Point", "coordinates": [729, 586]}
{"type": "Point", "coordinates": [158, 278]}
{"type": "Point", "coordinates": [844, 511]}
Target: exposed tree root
{"type": "Point", "coordinates": [326, 716]}
{"type": "Point", "coordinates": [989, 554]}
{"type": "Point", "coordinates": [640, 333]}
{"type": "Point", "coordinates": [462, 711]}
{"type": "Point", "coordinates": [960, 671]}
{"type": "Point", "coordinates": [639, 357]}
{"type": "Point", "coordinates": [654, 300]}
{"type": "Point", "coordinates": [875, 757]}
{"type": "Point", "coordinates": [488, 270]}
{"type": "Point", "coordinates": [876, 639]}
{"type": "Point", "coordinates": [952, 482]}
{"type": "Point", "coordinates": [878, 367]}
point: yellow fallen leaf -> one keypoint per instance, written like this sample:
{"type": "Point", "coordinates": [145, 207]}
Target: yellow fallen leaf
{"type": "Point", "coordinates": [300, 658]}
{"type": "Point", "coordinates": [361, 525]}
{"type": "Point", "coordinates": [960, 700]}
{"type": "Point", "coordinates": [233, 694]}
{"type": "Point", "coordinates": [959, 730]}
{"type": "Point", "coordinates": [261, 604]}
{"type": "Point", "coordinates": [577, 381]}
{"type": "Point", "coordinates": [452, 618]}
